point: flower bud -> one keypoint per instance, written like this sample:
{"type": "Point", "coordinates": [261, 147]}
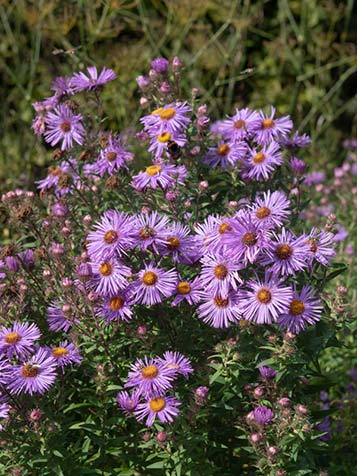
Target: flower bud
{"type": "Point", "coordinates": [144, 102]}
{"type": "Point", "coordinates": [141, 331]}
{"type": "Point", "coordinates": [254, 438]}
{"type": "Point", "coordinates": [143, 82]}
{"type": "Point", "coordinates": [171, 195]}
{"type": "Point", "coordinates": [195, 150]}
{"type": "Point", "coordinates": [201, 395]}
{"type": "Point", "coordinates": [284, 402]}
{"type": "Point", "coordinates": [87, 220]}
{"type": "Point", "coordinates": [202, 110]}
{"type": "Point", "coordinates": [233, 205]}
{"type": "Point", "coordinates": [59, 210]}
{"type": "Point", "coordinates": [273, 451]}
{"type": "Point", "coordinates": [177, 64]}
{"type": "Point", "coordinates": [160, 65]}
{"type": "Point", "coordinates": [92, 296]}
{"type": "Point", "coordinates": [161, 437]}
{"type": "Point", "coordinates": [66, 308]}
{"type": "Point", "coordinates": [67, 283]}
{"type": "Point", "coordinates": [35, 415]}
{"type": "Point", "coordinates": [301, 409]}
{"type": "Point", "coordinates": [46, 273]}
{"type": "Point", "coordinates": [250, 418]}
{"type": "Point", "coordinates": [258, 392]}
{"type": "Point", "coordinates": [165, 87]}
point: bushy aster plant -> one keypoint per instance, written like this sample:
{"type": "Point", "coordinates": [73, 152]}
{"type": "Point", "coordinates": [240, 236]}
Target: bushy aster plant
{"type": "Point", "coordinates": [164, 306]}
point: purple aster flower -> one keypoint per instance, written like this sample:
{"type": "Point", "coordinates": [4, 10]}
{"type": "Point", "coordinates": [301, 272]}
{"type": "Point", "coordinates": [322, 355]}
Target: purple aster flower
{"type": "Point", "coordinates": [109, 277]}
{"type": "Point", "coordinates": [151, 377]}
{"type": "Point", "coordinates": [324, 427]}
{"type": "Point", "coordinates": [128, 402]}
{"type": "Point", "coordinates": [211, 233]}
{"type": "Point", "coordinates": [42, 107]}
{"type": "Point", "coordinates": [240, 126]}
{"type": "Point", "coordinates": [160, 175]}
{"type": "Point", "coordinates": [26, 259]}
{"type": "Point", "coordinates": [117, 307]}
{"type": "Point", "coordinates": [164, 408]}
{"type": "Point", "coordinates": [57, 319]}
{"type": "Point", "coordinates": [260, 165]}
{"type": "Point", "coordinates": [263, 415]}
{"type": "Point", "coordinates": [62, 178]}
{"type": "Point", "coordinates": [271, 210]}
{"type": "Point", "coordinates": [62, 86]}
{"type": "Point", "coordinates": [65, 354]}
{"type": "Point", "coordinates": [80, 81]}
{"type": "Point", "coordinates": [296, 140]}
{"type": "Point", "coordinates": [36, 375]}
{"type": "Point", "coordinates": [160, 65]}
{"type": "Point", "coordinates": [178, 362]}
{"type": "Point", "coordinates": [218, 311]}
{"type": "Point", "coordinates": [63, 125]}
{"type": "Point", "coordinates": [225, 154]}
{"type": "Point", "coordinates": [153, 283]}
{"type": "Point", "coordinates": [265, 301]}
{"type": "Point", "coordinates": [188, 291]}
{"type": "Point", "coordinates": [150, 230]}
{"type": "Point", "coordinates": [179, 243]}
{"type": "Point", "coordinates": [111, 159]}
{"type": "Point", "coordinates": [321, 245]}
{"type": "Point", "coordinates": [271, 128]}
{"type": "Point", "coordinates": [18, 339]}
{"type": "Point", "coordinates": [159, 141]}
{"type": "Point", "coordinates": [5, 368]}
{"type": "Point", "coordinates": [170, 118]}
{"type": "Point", "coordinates": [245, 239]}
{"type": "Point", "coordinates": [39, 125]}
{"type": "Point", "coordinates": [304, 309]}
{"type": "Point", "coordinates": [341, 234]}
{"type": "Point", "coordinates": [298, 166]}
{"type": "Point", "coordinates": [12, 264]}
{"type": "Point", "coordinates": [267, 372]}
{"type": "Point", "coordinates": [314, 178]}
{"type": "Point", "coordinates": [4, 411]}
{"type": "Point", "coordinates": [219, 274]}
{"type": "Point", "coordinates": [112, 235]}
{"type": "Point", "coordinates": [286, 253]}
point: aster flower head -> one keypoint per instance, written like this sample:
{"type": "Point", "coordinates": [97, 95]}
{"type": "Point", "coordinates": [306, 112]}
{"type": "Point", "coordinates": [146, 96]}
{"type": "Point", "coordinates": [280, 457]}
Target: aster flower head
{"type": "Point", "coordinates": [219, 274]}
{"type": "Point", "coordinates": [286, 253]}
{"type": "Point", "coordinates": [298, 166]}
{"type": "Point", "coordinates": [110, 276]}
{"type": "Point", "coordinates": [321, 246]}
{"type": "Point", "coordinates": [245, 239]}
{"type": "Point", "coordinates": [179, 243]}
{"type": "Point", "coordinates": [296, 140]}
{"type": "Point", "coordinates": [218, 311]}
{"type": "Point", "coordinates": [160, 65]}
{"type": "Point", "coordinates": [62, 178]}
{"type": "Point", "coordinates": [36, 375]}
{"type": "Point", "coordinates": [271, 128]}
{"type": "Point", "coordinates": [261, 164]}
{"type": "Point", "coordinates": [63, 125]}
{"type": "Point", "coordinates": [271, 209]}
{"type": "Point", "coordinates": [153, 284]}
{"type": "Point", "coordinates": [128, 402]}
{"type": "Point", "coordinates": [225, 154]}
{"type": "Point", "coordinates": [161, 407]}
{"type": "Point", "coordinates": [62, 86]}
{"type": "Point", "coordinates": [178, 362]}
{"type": "Point", "coordinates": [112, 235]}
{"type": "Point", "coordinates": [172, 118]}
{"type": "Point", "coordinates": [314, 178]}
{"type": "Point", "coordinates": [149, 230]}
{"type": "Point", "coordinates": [304, 309]}
{"type": "Point", "coordinates": [81, 81]}
{"type": "Point", "coordinates": [117, 307]}
{"type": "Point", "coordinates": [112, 158]}
{"type": "Point", "coordinates": [264, 300]}
{"type": "Point", "coordinates": [160, 175]}
{"type": "Point", "coordinates": [150, 377]}
{"type": "Point", "coordinates": [267, 372]}
{"type": "Point", "coordinates": [18, 339]}
{"type": "Point", "coordinates": [190, 291]}
{"type": "Point", "coordinates": [57, 319]}
{"type": "Point", "coordinates": [159, 141]}
{"type": "Point", "coordinates": [240, 126]}
{"type": "Point", "coordinates": [65, 353]}
{"type": "Point", "coordinates": [263, 415]}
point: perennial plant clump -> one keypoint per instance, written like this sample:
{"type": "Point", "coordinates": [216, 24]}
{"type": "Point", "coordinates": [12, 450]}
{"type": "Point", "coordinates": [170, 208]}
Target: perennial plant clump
{"type": "Point", "coordinates": [163, 307]}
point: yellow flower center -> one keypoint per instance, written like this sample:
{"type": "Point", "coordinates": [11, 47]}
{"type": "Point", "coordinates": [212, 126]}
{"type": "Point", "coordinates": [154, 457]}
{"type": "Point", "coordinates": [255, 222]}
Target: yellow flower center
{"type": "Point", "coordinates": [59, 352]}
{"type": "Point", "coordinates": [146, 233]}
{"type": "Point", "coordinates": [164, 137]}
{"type": "Point", "coordinates": [223, 227]}
{"type": "Point", "coordinates": [157, 111]}
{"type": "Point", "coordinates": [313, 245]}
{"type": "Point", "coordinates": [249, 239]}
{"type": "Point", "coordinates": [116, 303]}
{"type": "Point", "coordinates": [262, 212]}
{"type": "Point", "coordinates": [65, 126]}
{"type": "Point", "coordinates": [221, 302]}
{"type": "Point", "coordinates": [111, 156]}
{"type": "Point", "coordinates": [110, 237]}
{"type": "Point", "coordinates": [55, 171]}
{"type": "Point", "coordinates": [157, 404]}
{"type": "Point", "coordinates": [153, 169]}
{"type": "Point", "coordinates": [223, 149]}
{"type": "Point", "coordinates": [106, 269]}
{"type": "Point", "coordinates": [30, 370]}
{"type": "Point", "coordinates": [297, 307]}
{"type": "Point", "coordinates": [167, 114]}
{"type": "Point", "coordinates": [150, 372]}
{"type": "Point", "coordinates": [284, 251]}
{"type": "Point", "coordinates": [173, 243]}
{"type": "Point", "coordinates": [220, 271]}
{"type": "Point", "coordinates": [184, 287]}
{"type": "Point", "coordinates": [149, 278]}
{"type": "Point", "coordinates": [268, 124]}
{"type": "Point", "coordinates": [12, 338]}
{"type": "Point", "coordinates": [259, 158]}
{"type": "Point", "coordinates": [239, 124]}
{"type": "Point", "coordinates": [264, 296]}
